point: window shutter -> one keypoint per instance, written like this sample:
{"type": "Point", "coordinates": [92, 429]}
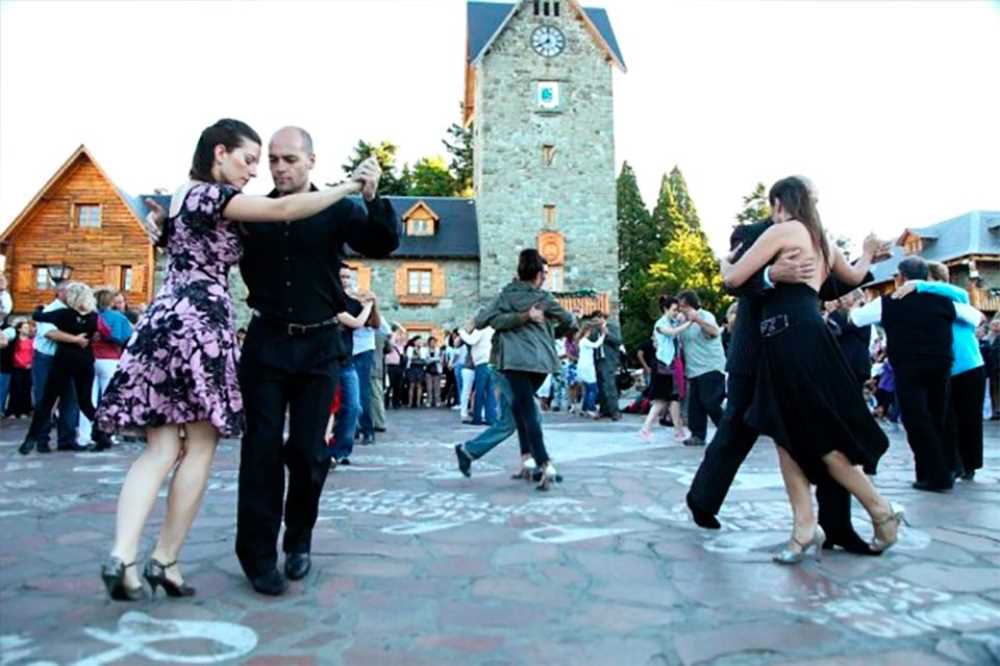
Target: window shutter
{"type": "Point", "coordinates": [401, 281]}
{"type": "Point", "coordinates": [112, 276]}
{"type": "Point", "coordinates": [25, 279]}
{"type": "Point", "coordinates": [364, 278]}
{"type": "Point", "coordinates": [138, 279]}
{"type": "Point", "coordinates": [438, 287]}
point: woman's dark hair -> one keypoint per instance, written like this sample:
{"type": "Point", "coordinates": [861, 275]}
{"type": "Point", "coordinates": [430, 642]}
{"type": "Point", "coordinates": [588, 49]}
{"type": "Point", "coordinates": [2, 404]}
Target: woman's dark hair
{"type": "Point", "coordinates": [666, 301]}
{"type": "Point", "coordinates": [529, 264]}
{"type": "Point", "coordinates": [228, 132]}
{"type": "Point", "coordinates": [231, 134]}
{"type": "Point", "coordinates": [797, 200]}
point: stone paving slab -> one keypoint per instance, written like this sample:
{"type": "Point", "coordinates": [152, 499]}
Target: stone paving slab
{"type": "Point", "coordinates": [414, 564]}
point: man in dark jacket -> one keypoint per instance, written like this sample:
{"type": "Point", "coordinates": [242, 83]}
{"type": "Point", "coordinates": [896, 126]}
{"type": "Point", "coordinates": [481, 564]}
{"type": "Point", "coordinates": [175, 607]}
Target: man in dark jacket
{"type": "Point", "coordinates": [734, 437]}
{"type": "Point", "coordinates": [292, 354]}
{"type": "Point", "coordinates": [853, 340]}
{"type": "Point", "coordinates": [607, 358]}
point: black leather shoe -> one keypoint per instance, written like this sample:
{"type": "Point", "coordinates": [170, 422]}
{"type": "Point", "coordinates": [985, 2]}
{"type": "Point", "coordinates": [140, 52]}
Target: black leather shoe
{"type": "Point", "coordinates": [297, 565]}
{"type": "Point", "coordinates": [969, 476]}
{"type": "Point", "coordinates": [76, 448]}
{"type": "Point", "coordinates": [849, 541]}
{"type": "Point", "coordinates": [931, 487]}
{"type": "Point", "coordinates": [694, 441]}
{"type": "Point", "coordinates": [44, 447]}
{"type": "Point", "coordinates": [272, 583]}
{"type": "Point", "coordinates": [368, 440]}
{"type": "Point", "coordinates": [702, 518]}
{"type": "Point", "coordinates": [26, 447]}
{"type": "Point", "coordinates": [464, 461]}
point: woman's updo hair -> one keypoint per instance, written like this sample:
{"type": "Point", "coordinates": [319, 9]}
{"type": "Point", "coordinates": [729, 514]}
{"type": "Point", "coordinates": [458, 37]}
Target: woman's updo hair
{"type": "Point", "coordinates": [228, 132]}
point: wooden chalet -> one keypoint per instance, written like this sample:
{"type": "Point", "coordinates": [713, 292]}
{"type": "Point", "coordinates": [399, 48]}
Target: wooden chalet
{"type": "Point", "coordinates": [80, 218]}
{"type": "Point", "coordinates": [968, 244]}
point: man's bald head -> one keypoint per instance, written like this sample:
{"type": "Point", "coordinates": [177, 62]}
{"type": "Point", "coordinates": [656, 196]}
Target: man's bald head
{"type": "Point", "coordinates": [290, 156]}
{"type": "Point", "coordinates": [293, 135]}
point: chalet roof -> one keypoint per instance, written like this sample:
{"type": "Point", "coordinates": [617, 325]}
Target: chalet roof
{"type": "Point", "coordinates": [974, 233]}
{"type": "Point", "coordinates": [486, 20]}
{"type": "Point", "coordinates": [456, 235]}
{"type": "Point", "coordinates": [81, 151]}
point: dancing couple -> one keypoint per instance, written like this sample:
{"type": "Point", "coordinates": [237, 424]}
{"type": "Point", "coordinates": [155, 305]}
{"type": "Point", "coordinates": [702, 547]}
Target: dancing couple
{"type": "Point", "coordinates": [180, 378]}
{"type": "Point", "coordinates": [789, 380]}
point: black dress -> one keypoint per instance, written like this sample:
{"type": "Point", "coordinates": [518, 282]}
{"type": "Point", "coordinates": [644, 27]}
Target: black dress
{"type": "Point", "coordinates": [806, 395]}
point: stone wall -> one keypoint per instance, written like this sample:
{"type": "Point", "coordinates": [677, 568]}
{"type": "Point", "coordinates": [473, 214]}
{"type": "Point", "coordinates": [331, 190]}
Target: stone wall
{"type": "Point", "coordinates": [512, 185]}
{"type": "Point", "coordinates": [461, 298]}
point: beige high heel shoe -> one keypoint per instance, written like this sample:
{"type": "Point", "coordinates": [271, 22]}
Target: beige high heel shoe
{"type": "Point", "coordinates": [815, 545]}
{"type": "Point", "coordinates": [897, 515]}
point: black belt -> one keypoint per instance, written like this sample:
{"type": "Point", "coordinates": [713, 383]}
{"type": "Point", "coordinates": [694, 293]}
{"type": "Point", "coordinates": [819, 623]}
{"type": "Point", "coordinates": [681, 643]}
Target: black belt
{"type": "Point", "coordinates": [294, 328]}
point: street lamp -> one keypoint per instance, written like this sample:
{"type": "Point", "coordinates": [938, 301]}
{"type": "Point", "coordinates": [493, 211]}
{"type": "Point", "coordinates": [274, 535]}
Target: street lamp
{"type": "Point", "coordinates": [59, 273]}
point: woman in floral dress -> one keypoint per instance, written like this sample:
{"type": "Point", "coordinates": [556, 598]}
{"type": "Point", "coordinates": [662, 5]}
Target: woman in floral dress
{"type": "Point", "coordinates": [177, 378]}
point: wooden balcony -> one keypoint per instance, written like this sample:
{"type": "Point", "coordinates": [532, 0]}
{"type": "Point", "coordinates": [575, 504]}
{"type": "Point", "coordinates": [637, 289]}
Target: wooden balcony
{"type": "Point", "coordinates": [984, 299]}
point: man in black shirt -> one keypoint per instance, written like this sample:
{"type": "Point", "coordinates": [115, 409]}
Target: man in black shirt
{"type": "Point", "coordinates": [291, 356]}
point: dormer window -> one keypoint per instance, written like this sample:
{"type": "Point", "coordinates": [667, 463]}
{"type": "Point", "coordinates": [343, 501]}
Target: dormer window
{"type": "Point", "coordinates": [420, 220]}
{"type": "Point", "coordinates": [913, 244]}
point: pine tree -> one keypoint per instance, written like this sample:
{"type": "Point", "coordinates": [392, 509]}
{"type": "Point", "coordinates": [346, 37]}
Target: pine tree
{"type": "Point", "coordinates": [755, 206]}
{"type": "Point", "coordinates": [460, 149]}
{"type": "Point", "coordinates": [684, 203]}
{"type": "Point", "coordinates": [667, 217]}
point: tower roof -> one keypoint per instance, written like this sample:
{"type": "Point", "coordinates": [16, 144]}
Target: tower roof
{"type": "Point", "coordinates": [486, 20]}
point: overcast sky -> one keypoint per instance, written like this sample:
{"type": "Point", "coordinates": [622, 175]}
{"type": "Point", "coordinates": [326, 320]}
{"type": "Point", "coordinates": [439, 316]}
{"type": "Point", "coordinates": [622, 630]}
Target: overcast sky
{"type": "Point", "coordinates": [890, 107]}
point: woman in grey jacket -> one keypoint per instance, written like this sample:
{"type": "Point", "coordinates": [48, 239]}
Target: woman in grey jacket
{"type": "Point", "coordinates": [527, 352]}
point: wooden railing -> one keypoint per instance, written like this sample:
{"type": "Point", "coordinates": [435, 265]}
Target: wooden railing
{"type": "Point", "coordinates": [984, 299]}
{"type": "Point", "coordinates": [584, 305]}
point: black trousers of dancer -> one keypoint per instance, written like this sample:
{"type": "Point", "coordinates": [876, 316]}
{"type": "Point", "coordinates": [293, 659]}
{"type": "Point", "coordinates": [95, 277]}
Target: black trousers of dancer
{"type": "Point", "coordinates": [729, 448]}
{"type": "Point", "coordinates": [77, 369]}
{"type": "Point", "coordinates": [280, 373]}
{"type": "Point", "coordinates": [705, 395]}
{"type": "Point", "coordinates": [923, 405]}
{"type": "Point", "coordinates": [968, 390]}
{"type": "Point", "coordinates": [607, 387]}
{"type": "Point", "coordinates": [523, 386]}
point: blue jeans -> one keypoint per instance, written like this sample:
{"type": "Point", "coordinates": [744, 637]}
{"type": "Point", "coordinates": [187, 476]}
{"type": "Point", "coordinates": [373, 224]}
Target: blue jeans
{"type": "Point", "coordinates": [350, 410]}
{"type": "Point", "coordinates": [4, 390]}
{"type": "Point", "coordinates": [363, 363]}
{"type": "Point", "coordinates": [502, 428]}
{"type": "Point", "coordinates": [486, 401]}
{"type": "Point", "coordinates": [589, 397]}
{"type": "Point", "coordinates": [69, 411]}
{"type": "Point", "coordinates": [458, 384]}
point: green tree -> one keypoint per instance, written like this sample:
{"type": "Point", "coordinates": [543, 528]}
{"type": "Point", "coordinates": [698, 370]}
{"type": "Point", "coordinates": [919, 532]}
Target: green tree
{"type": "Point", "coordinates": [685, 205]}
{"type": "Point", "coordinates": [667, 217]}
{"type": "Point", "coordinates": [755, 206]}
{"type": "Point", "coordinates": [385, 153]}
{"type": "Point", "coordinates": [431, 178]}
{"type": "Point", "coordinates": [638, 245]}
{"type": "Point", "coordinates": [460, 149]}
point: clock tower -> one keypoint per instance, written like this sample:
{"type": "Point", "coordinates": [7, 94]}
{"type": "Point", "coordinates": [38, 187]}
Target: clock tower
{"type": "Point", "coordinates": [539, 96]}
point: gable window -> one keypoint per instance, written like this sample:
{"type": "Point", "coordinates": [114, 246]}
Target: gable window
{"type": "Point", "coordinates": [548, 154]}
{"type": "Point", "coordinates": [419, 226]}
{"type": "Point", "coordinates": [125, 278]}
{"type": "Point", "coordinates": [549, 215]}
{"type": "Point", "coordinates": [419, 282]}
{"type": "Point", "coordinates": [88, 216]}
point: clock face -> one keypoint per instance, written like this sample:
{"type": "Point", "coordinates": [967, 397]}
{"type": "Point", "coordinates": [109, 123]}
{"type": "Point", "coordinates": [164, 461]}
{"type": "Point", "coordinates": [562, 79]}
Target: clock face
{"type": "Point", "coordinates": [548, 41]}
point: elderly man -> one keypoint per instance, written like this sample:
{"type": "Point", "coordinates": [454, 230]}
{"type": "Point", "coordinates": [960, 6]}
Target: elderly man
{"type": "Point", "coordinates": [291, 356]}
{"type": "Point", "coordinates": [919, 339]}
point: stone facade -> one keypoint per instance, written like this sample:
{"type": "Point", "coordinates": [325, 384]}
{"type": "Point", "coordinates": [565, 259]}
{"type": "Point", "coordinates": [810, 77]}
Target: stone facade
{"type": "Point", "coordinates": [512, 183]}
{"type": "Point", "coordinates": [460, 300]}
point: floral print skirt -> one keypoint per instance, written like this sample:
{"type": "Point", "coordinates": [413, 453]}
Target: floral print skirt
{"type": "Point", "coordinates": [180, 365]}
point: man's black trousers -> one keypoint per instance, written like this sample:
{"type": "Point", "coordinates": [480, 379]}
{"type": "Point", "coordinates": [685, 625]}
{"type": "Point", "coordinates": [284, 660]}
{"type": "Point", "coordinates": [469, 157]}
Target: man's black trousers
{"type": "Point", "coordinates": [923, 406]}
{"type": "Point", "coordinates": [729, 448]}
{"type": "Point", "coordinates": [282, 373]}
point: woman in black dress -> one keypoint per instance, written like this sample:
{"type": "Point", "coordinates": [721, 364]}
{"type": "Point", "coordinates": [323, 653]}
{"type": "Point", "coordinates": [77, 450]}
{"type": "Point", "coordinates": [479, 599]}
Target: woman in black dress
{"type": "Point", "coordinates": [806, 396]}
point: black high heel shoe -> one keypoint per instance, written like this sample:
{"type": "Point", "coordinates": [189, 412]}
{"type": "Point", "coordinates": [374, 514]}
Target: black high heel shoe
{"type": "Point", "coordinates": [155, 574]}
{"type": "Point", "coordinates": [113, 575]}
